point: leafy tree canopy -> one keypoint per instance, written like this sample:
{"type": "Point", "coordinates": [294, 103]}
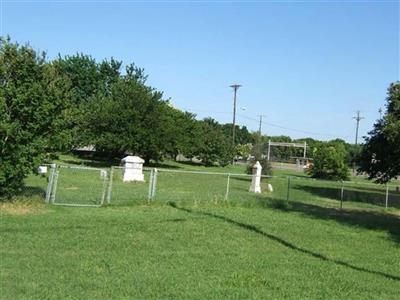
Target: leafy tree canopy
{"type": "Point", "coordinates": [215, 147]}
{"type": "Point", "coordinates": [242, 134]}
{"type": "Point", "coordinates": [31, 103]}
{"type": "Point", "coordinates": [380, 155]}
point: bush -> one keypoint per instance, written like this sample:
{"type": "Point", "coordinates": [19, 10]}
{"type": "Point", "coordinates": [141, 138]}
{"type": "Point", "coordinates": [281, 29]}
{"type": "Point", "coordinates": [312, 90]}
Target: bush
{"type": "Point", "coordinates": [265, 164]}
{"type": "Point", "coordinates": [330, 162]}
{"type": "Point", "coordinates": [256, 152]}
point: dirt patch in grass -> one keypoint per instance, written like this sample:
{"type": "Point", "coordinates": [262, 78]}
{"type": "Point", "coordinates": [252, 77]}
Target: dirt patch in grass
{"type": "Point", "coordinates": [21, 207]}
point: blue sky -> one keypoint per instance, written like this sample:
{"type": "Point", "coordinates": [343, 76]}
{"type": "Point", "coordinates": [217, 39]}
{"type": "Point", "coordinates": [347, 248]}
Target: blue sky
{"type": "Point", "coordinates": [306, 65]}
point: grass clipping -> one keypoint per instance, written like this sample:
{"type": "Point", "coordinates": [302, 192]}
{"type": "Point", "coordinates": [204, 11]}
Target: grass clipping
{"type": "Point", "coordinates": [20, 207]}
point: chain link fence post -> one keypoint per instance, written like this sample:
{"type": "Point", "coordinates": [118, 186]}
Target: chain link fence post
{"type": "Point", "coordinates": [387, 196]}
{"type": "Point", "coordinates": [106, 183]}
{"type": "Point", "coordinates": [54, 185]}
{"type": "Point", "coordinates": [150, 185]}
{"type": "Point", "coordinates": [109, 188]}
{"type": "Point", "coordinates": [50, 183]}
{"type": "Point", "coordinates": [227, 187]}
{"type": "Point", "coordinates": [154, 185]}
{"type": "Point", "coordinates": [341, 195]}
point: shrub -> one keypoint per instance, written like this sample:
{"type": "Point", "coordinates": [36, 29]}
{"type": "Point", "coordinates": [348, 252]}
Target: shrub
{"type": "Point", "coordinates": [330, 162]}
{"type": "Point", "coordinates": [265, 164]}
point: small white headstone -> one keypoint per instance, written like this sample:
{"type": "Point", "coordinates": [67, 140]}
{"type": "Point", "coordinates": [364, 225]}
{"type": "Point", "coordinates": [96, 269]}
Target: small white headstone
{"type": "Point", "coordinates": [256, 179]}
{"type": "Point", "coordinates": [103, 174]}
{"type": "Point", "coordinates": [133, 168]}
{"type": "Point", "coordinates": [270, 188]}
{"type": "Point", "coordinates": [42, 170]}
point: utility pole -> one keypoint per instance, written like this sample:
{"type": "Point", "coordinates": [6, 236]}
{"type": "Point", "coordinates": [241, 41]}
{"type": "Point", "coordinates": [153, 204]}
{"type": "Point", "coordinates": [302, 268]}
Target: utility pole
{"type": "Point", "coordinates": [235, 88]}
{"type": "Point", "coordinates": [260, 137]}
{"type": "Point", "coordinates": [380, 113]}
{"type": "Point", "coordinates": [260, 125]}
{"type": "Point", "coordinates": [358, 119]}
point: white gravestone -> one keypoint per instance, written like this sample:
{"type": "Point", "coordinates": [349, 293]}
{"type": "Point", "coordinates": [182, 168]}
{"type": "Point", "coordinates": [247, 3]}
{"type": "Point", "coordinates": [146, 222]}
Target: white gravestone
{"type": "Point", "coordinates": [256, 179]}
{"type": "Point", "coordinates": [42, 170]}
{"type": "Point", "coordinates": [103, 174]}
{"type": "Point", "coordinates": [133, 168]}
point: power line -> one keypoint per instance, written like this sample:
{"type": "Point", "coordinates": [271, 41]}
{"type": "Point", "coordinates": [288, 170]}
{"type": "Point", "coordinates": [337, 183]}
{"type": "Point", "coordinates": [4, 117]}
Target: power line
{"type": "Point", "coordinates": [292, 129]}
{"type": "Point", "coordinates": [271, 124]}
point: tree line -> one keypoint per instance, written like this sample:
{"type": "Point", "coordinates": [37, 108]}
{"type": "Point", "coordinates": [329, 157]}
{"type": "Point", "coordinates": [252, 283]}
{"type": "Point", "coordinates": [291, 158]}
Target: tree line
{"type": "Point", "coordinates": [71, 101]}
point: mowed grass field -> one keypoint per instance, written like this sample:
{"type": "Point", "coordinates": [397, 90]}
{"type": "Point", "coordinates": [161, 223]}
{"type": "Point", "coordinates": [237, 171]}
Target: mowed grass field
{"type": "Point", "coordinates": [193, 244]}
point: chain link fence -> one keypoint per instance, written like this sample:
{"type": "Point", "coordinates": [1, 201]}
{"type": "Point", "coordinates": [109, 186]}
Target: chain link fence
{"type": "Point", "coordinates": [122, 193]}
{"type": "Point", "coordinates": [393, 199]}
{"type": "Point", "coordinates": [187, 186]}
{"type": "Point", "coordinates": [84, 186]}
{"type": "Point", "coordinates": [79, 186]}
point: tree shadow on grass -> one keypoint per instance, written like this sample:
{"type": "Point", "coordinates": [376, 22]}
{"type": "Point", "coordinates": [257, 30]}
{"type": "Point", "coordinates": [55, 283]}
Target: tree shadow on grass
{"type": "Point", "coordinates": [32, 191]}
{"type": "Point", "coordinates": [360, 218]}
{"type": "Point", "coordinates": [162, 165]}
{"type": "Point", "coordinates": [100, 163]}
{"type": "Point", "coordinates": [354, 194]}
{"type": "Point", "coordinates": [191, 163]}
{"type": "Point", "coordinates": [91, 163]}
{"type": "Point", "coordinates": [285, 243]}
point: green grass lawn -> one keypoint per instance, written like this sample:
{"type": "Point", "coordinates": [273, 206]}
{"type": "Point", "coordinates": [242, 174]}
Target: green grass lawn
{"type": "Point", "coordinates": [191, 243]}
{"type": "Point", "coordinates": [203, 251]}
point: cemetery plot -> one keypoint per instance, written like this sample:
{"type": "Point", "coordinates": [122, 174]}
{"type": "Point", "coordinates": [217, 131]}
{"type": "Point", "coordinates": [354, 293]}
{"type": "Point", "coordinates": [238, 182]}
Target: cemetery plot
{"type": "Point", "coordinates": [78, 186]}
{"type": "Point", "coordinates": [83, 186]}
{"type": "Point", "coordinates": [368, 194]}
{"type": "Point", "coordinates": [128, 192]}
{"type": "Point", "coordinates": [352, 194]}
{"type": "Point", "coordinates": [239, 189]}
{"type": "Point", "coordinates": [190, 187]}
{"type": "Point", "coordinates": [394, 196]}
{"type": "Point", "coordinates": [310, 190]}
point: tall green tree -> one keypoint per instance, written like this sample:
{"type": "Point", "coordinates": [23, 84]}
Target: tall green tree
{"type": "Point", "coordinates": [380, 155]}
{"type": "Point", "coordinates": [185, 135]}
{"type": "Point", "coordinates": [214, 147]}
{"type": "Point", "coordinates": [88, 79]}
{"type": "Point", "coordinates": [132, 117]}
{"type": "Point", "coordinates": [31, 103]}
{"type": "Point", "coordinates": [242, 135]}
{"type": "Point", "coordinates": [83, 72]}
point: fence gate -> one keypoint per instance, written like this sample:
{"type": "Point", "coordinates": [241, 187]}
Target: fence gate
{"type": "Point", "coordinates": [77, 186]}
